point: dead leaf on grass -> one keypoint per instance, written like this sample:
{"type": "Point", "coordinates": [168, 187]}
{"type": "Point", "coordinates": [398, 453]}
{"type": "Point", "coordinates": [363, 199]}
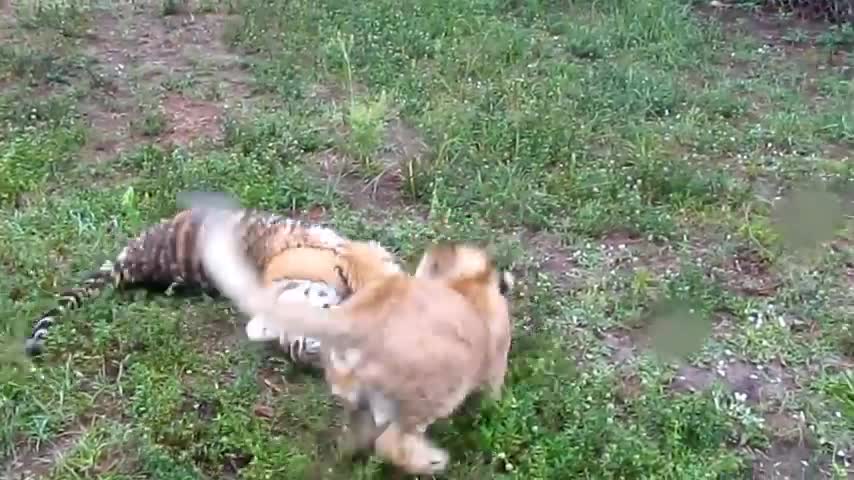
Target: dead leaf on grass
{"type": "Point", "coordinates": [264, 411]}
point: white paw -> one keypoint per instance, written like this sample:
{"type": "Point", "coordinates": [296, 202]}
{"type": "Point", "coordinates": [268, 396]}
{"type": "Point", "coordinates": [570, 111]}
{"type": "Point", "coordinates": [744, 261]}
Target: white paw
{"type": "Point", "coordinates": [312, 346]}
{"type": "Point", "coordinates": [439, 460]}
{"type": "Point", "coordinates": [435, 460]}
{"type": "Point", "coordinates": [259, 331]}
{"type": "Point", "coordinates": [321, 295]}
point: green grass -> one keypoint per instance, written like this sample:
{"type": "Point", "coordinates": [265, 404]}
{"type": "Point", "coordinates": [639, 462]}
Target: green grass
{"type": "Point", "coordinates": [622, 157]}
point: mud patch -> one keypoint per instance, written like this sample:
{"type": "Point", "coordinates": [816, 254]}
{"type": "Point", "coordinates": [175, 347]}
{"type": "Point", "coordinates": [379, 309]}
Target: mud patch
{"type": "Point", "coordinates": [191, 120]}
{"type": "Point", "coordinates": [792, 451]}
{"type": "Point", "coordinates": [114, 365]}
{"type": "Point", "coordinates": [627, 251]}
{"type": "Point", "coordinates": [374, 196]}
{"type": "Point", "coordinates": [552, 257]}
{"type": "Point", "coordinates": [205, 409]}
{"type": "Point", "coordinates": [747, 272]}
{"type": "Point", "coordinates": [692, 379]}
{"type": "Point", "coordinates": [263, 411]}
{"type": "Point", "coordinates": [221, 335]}
{"type": "Point", "coordinates": [137, 51]}
{"type": "Point", "coordinates": [110, 104]}
{"type": "Point", "coordinates": [766, 24]}
{"type": "Point", "coordinates": [756, 385]}
{"type": "Point", "coordinates": [848, 273]}
{"type": "Point", "coordinates": [765, 386]}
{"type": "Point", "coordinates": [314, 214]}
{"type": "Point", "coordinates": [403, 149]}
{"type": "Point", "coordinates": [270, 381]}
{"type": "Point", "coordinates": [37, 463]}
{"type": "Point", "coordinates": [580, 266]}
{"type": "Point", "coordinates": [787, 428]}
{"type": "Point", "coordinates": [785, 461]}
{"type": "Point", "coordinates": [335, 94]}
{"type": "Point", "coordinates": [402, 143]}
{"type": "Point", "coordinates": [236, 461]}
{"type": "Point", "coordinates": [623, 345]}
{"type": "Point", "coordinates": [375, 183]}
{"type": "Point", "coordinates": [630, 387]}
{"type": "Point", "coordinates": [775, 32]}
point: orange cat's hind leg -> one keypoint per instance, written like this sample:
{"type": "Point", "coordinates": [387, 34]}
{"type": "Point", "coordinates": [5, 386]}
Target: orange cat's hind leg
{"type": "Point", "coordinates": [411, 451]}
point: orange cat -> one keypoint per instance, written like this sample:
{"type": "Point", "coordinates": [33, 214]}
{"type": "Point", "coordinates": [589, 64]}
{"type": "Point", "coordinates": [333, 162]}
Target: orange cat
{"type": "Point", "coordinates": [409, 349]}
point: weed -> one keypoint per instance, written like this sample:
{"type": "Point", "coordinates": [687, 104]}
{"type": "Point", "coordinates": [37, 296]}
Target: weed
{"type": "Point", "coordinates": [841, 389]}
{"type": "Point", "coordinates": [69, 17]}
{"type": "Point", "coordinates": [366, 121]}
{"type": "Point", "coordinates": [179, 84]}
{"type": "Point", "coordinates": [31, 157]}
{"type": "Point", "coordinates": [152, 123]}
{"type": "Point", "coordinates": [173, 7]}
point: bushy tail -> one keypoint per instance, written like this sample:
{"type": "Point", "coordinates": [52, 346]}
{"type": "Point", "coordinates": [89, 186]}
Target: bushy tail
{"type": "Point", "coordinates": [225, 261]}
{"type": "Point", "coordinates": [89, 288]}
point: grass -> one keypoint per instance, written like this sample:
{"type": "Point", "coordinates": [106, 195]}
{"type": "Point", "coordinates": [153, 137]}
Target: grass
{"type": "Point", "coordinates": [674, 320]}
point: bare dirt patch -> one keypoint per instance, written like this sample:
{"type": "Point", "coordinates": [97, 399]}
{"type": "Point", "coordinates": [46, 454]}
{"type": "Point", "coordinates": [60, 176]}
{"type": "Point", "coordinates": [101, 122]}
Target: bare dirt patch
{"type": "Point", "coordinates": [849, 273]}
{"type": "Point", "coordinates": [110, 104]}
{"type": "Point", "coordinates": [221, 334]}
{"type": "Point", "coordinates": [692, 379]}
{"type": "Point", "coordinates": [748, 272]}
{"type": "Point", "coordinates": [622, 344]}
{"type": "Point", "coordinates": [141, 52]}
{"type": "Point", "coordinates": [335, 94]}
{"type": "Point", "coordinates": [37, 463]}
{"type": "Point", "coordinates": [792, 452]}
{"type": "Point", "coordinates": [34, 462]}
{"type": "Point", "coordinates": [767, 24]}
{"type": "Point", "coordinates": [785, 461]}
{"type": "Point", "coordinates": [765, 386]}
{"type": "Point", "coordinates": [619, 251]}
{"type": "Point", "coordinates": [630, 386]}
{"type": "Point", "coordinates": [786, 427]}
{"type": "Point", "coordinates": [376, 197]}
{"type": "Point", "coordinates": [758, 385]}
{"type": "Point", "coordinates": [845, 247]}
{"type": "Point", "coordinates": [7, 20]}
{"type": "Point", "coordinates": [552, 257]}
{"type": "Point", "coordinates": [793, 37]}
{"type": "Point", "coordinates": [377, 193]}
{"type": "Point", "coordinates": [629, 251]}
{"type": "Point", "coordinates": [191, 120]}
{"type": "Point", "coordinates": [377, 183]}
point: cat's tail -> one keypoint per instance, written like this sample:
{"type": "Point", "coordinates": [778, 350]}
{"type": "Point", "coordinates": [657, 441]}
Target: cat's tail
{"type": "Point", "coordinates": [225, 260]}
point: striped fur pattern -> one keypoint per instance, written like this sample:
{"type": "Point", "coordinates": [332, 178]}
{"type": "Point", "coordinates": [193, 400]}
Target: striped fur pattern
{"type": "Point", "coordinates": [165, 256]}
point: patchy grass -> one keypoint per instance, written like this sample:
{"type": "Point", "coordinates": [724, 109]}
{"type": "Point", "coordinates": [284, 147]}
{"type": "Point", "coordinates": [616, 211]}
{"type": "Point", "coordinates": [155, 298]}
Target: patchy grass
{"type": "Point", "coordinates": [672, 184]}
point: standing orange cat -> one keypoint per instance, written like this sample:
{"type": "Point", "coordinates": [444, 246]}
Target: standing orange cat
{"type": "Point", "coordinates": [408, 349]}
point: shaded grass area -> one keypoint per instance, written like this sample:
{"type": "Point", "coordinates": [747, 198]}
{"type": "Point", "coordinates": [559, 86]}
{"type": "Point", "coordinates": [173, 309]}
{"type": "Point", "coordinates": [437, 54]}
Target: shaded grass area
{"type": "Point", "coordinates": [632, 142]}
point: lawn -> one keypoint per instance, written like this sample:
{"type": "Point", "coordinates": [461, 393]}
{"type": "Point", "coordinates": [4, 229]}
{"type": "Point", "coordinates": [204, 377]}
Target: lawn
{"type": "Point", "coordinates": [670, 182]}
